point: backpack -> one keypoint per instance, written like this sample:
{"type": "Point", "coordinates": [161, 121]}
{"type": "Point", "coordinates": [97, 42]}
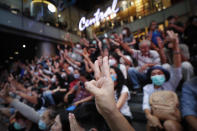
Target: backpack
{"type": "Point", "coordinates": [164, 105]}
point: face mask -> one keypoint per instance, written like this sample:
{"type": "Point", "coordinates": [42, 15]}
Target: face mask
{"type": "Point", "coordinates": [104, 41]}
{"type": "Point", "coordinates": [76, 76]}
{"type": "Point", "coordinates": [70, 69]}
{"type": "Point", "coordinates": [93, 42]}
{"type": "Point", "coordinates": [113, 77]}
{"type": "Point", "coordinates": [158, 80]}
{"type": "Point", "coordinates": [124, 32]}
{"type": "Point", "coordinates": [53, 79]}
{"type": "Point", "coordinates": [112, 62]}
{"type": "Point", "coordinates": [78, 46]}
{"type": "Point", "coordinates": [17, 126]}
{"type": "Point", "coordinates": [42, 125]}
{"type": "Point", "coordinates": [63, 75]}
{"type": "Point", "coordinates": [112, 37]}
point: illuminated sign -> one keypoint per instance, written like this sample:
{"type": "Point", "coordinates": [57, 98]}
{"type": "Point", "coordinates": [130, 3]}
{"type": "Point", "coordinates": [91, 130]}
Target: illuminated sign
{"type": "Point", "coordinates": [98, 16]}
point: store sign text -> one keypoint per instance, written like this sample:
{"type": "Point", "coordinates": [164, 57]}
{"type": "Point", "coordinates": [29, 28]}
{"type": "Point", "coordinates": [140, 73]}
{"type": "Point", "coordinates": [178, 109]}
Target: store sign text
{"type": "Point", "coordinates": [98, 16]}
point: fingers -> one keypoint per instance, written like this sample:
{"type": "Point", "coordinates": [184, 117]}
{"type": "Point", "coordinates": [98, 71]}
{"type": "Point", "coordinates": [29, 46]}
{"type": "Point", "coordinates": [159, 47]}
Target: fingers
{"type": "Point", "coordinates": [105, 67]}
{"type": "Point", "coordinates": [97, 71]}
{"type": "Point", "coordinates": [74, 126]}
{"type": "Point", "coordinates": [90, 86]}
{"type": "Point", "coordinates": [160, 126]}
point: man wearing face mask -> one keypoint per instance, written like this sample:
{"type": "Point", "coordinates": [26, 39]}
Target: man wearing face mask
{"type": "Point", "coordinates": [146, 58]}
{"type": "Point", "coordinates": [160, 80]}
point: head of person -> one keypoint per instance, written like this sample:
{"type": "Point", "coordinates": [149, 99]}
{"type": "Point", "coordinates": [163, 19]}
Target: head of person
{"type": "Point", "coordinates": [86, 115]}
{"type": "Point", "coordinates": [144, 47]}
{"type": "Point", "coordinates": [76, 74]}
{"type": "Point", "coordinates": [153, 26]}
{"type": "Point", "coordinates": [105, 52]}
{"type": "Point", "coordinates": [171, 19]}
{"type": "Point", "coordinates": [114, 59]}
{"type": "Point", "coordinates": [158, 75]}
{"type": "Point", "coordinates": [126, 32]}
{"type": "Point", "coordinates": [47, 119]}
{"type": "Point", "coordinates": [20, 121]}
{"type": "Point", "coordinates": [118, 78]}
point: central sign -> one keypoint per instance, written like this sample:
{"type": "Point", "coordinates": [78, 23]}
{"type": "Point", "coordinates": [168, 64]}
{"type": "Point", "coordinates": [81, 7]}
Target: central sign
{"type": "Point", "coordinates": [98, 16]}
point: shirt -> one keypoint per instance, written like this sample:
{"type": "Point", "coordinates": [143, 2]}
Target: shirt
{"type": "Point", "coordinates": [171, 85]}
{"type": "Point", "coordinates": [142, 60]}
{"type": "Point", "coordinates": [189, 98]}
{"type": "Point", "coordinates": [125, 110]}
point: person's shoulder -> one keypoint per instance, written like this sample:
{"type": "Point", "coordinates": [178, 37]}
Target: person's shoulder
{"type": "Point", "coordinates": [148, 87]}
{"type": "Point", "coordinates": [124, 89]}
{"type": "Point", "coordinates": [154, 53]}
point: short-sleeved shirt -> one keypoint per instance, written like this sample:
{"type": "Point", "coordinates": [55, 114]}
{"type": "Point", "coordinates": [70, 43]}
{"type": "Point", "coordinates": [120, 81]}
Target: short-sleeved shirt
{"type": "Point", "coordinates": [125, 110]}
{"type": "Point", "coordinates": [171, 85]}
{"type": "Point", "coordinates": [153, 57]}
{"type": "Point", "coordinates": [128, 39]}
{"type": "Point", "coordinates": [189, 98]}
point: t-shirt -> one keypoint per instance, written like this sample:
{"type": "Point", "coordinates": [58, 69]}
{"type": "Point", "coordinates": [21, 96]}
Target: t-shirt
{"type": "Point", "coordinates": [125, 110]}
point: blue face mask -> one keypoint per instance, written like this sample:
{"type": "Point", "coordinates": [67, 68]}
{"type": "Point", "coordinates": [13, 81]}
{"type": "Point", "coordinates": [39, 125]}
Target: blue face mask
{"type": "Point", "coordinates": [76, 76]}
{"type": "Point", "coordinates": [104, 41]}
{"type": "Point", "coordinates": [112, 37]}
{"type": "Point", "coordinates": [17, 126]}
{"type": "Point", "coordinates": [93, 42]}
{"type": "Point", "coordinates": [113, 77]}
{"type": "Point", "coordinates": [158, 80]}
{"type": "Point", "coordinates": [42, 125]}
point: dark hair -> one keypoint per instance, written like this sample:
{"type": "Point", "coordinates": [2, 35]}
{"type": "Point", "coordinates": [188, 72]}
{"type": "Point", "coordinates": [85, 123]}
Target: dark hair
{"type": "Point", "coordinates": [64, 120]}
{"type": "Point", "coordinates": [18, 115]}
{"type": "Point", "coordinates": [166, 73]}
{"type": "Point", "coordinates": [120, 80]}
{"type": "Point", "coordinates": [88, 117]}
{"type": "Point", "coordinates": [171, 17]}
{"type": "Point", "coordinates": [128, 31]}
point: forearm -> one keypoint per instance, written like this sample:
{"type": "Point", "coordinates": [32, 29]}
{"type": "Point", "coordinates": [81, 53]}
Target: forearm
{"type": "Point", "coordinates": [85, 99]}
{"type": "Point", "coordinates": [147, 113]}
{"type": "Point", "coordinates": [126, 47]}
{"type": "Point", "coordinates": [26, 111]}
{"type": "Point", "coordinates": [177, 56]}
{"type": "Point", "coordinates": [126, 60]}
{"type": "Point", "coordinates": [162, 56]}
{"type": "Point", "coordinates": [117, 122]}
{"type": "Point", "coordinates": [192, 120]}
{"type": "Point", "coordinates": [31, 99]}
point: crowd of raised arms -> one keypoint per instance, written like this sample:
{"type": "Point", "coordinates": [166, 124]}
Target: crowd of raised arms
{"type": "Point", "coordinates": [87, 86]}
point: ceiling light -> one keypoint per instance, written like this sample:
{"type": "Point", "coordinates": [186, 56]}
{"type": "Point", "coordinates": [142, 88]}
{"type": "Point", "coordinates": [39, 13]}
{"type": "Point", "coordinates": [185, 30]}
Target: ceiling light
{"type": "Point", "coordinates": [16, 52]}
{"type": "Point", "coordinates": [11, 58]}
{"type": "Point", "coordinates": [59, 15]}
{"type": "Point", "coordinates": [51, 8]}
{"type": "Point", "coordinates": [24, 46]}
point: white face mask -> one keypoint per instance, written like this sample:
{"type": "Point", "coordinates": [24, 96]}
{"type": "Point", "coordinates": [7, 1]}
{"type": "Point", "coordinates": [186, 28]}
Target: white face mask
{"type": "Point", "coordinates": [63, 75]}
{"type": "Point", "coordinates": [78, 46]}
{"type": "Point", "coordinates": [112, 62]}
{"type": "Point", "coordinates": [71, 69]}
{"type": "Point", "coordinates": [124, 32]}
{"type": "Point", "coordinates": [53, 79]}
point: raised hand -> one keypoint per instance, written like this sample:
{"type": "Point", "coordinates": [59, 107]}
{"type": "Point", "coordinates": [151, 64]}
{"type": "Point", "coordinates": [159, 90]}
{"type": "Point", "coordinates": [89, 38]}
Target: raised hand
{"type": "Point", "coordinates": [102, 88]}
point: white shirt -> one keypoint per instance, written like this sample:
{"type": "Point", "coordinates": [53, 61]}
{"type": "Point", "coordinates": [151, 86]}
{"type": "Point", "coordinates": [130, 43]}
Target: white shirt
{"type": "Point", "coordinates": [176, 76]}
{"type": "Point", "coordinates": [142, 60]}
{"type": "Point", "coordinates": [125, 110]}
{"type": "Point", "coordinates": [123, 70]}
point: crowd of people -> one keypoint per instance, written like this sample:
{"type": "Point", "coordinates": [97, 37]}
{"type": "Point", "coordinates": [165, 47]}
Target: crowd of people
{"type": "Point", "coordinates": [88, 85]}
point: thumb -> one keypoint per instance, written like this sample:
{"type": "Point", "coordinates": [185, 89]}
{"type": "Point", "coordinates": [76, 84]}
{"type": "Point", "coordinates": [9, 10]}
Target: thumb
{"type": "Point", "coordinates": [160, 126]}
{"type": "Point", "coordinates": [90, 86]}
